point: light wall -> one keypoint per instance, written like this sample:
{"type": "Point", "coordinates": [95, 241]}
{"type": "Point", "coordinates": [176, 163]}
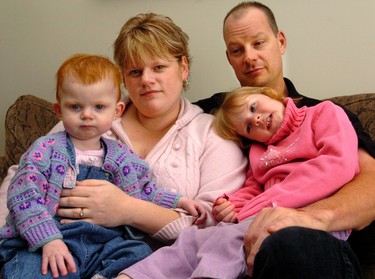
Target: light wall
{"type": "Point", "coordinates": [331, 43]}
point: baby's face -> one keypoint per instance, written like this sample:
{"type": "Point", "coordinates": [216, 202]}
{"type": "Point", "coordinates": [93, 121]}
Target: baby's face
{"type": "Point", "coordinates": [88, 111]}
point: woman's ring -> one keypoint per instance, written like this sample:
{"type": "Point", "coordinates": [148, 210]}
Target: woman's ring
{"type": "Point", "coordinates": [81, 213]}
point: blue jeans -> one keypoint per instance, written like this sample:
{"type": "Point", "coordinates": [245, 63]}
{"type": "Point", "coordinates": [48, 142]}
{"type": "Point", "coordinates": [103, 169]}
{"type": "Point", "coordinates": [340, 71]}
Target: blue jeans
{"type": "Point", "coordinates": [298, 252]}
{"type": "Point", "coordinates": [95, 249]}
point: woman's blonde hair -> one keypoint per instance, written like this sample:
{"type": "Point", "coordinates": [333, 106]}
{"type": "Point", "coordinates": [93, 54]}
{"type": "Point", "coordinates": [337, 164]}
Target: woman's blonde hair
{"type": "Point", "coordinates": [150, 35]}
{"type": "Point", "coordinates": [232, 105]}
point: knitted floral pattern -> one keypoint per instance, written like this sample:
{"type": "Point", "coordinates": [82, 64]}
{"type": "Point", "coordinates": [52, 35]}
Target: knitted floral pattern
{"type": "Point", "coordinates": [35, 189]}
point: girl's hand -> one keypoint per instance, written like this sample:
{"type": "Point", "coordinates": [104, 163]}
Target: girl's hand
{"type": "Point", "coordinates": [57, 257]}
{"type": "Point", "coordinates": [223, 210]}
{"type": "Point", "coordinates": [194, 208]}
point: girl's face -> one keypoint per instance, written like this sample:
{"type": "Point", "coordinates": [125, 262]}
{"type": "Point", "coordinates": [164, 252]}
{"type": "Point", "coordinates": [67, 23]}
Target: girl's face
{"type": "Point", "coordinates": [260, 118]}
{"type": "Point", "coordinates": [87, 111]}
{"type": "Point", "coordinates": [155, 87]}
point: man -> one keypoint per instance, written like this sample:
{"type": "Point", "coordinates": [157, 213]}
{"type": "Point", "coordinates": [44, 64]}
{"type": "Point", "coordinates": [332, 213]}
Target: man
{"type": "Point", "coordinates": [293, 243]}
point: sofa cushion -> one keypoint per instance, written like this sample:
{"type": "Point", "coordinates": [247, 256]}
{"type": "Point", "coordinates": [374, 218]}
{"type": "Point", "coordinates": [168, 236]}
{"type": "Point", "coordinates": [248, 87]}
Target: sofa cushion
{"type": "Point", "coordinates": [363, 241]}
{"type": "Point", "coordinates": [27, 119]}
{"type": "Point", "coordinates": [363, 105]}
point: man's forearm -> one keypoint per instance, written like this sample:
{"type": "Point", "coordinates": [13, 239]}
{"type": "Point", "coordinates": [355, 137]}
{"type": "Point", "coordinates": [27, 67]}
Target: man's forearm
{"type": "Point", "coordinates": [353, 206]}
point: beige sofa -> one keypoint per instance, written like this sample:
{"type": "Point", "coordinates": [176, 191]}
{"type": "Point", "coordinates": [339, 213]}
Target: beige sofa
{"type": "Point", "coordinates": [30, 117]}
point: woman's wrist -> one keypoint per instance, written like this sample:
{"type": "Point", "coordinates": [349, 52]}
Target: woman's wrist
{"type": "Point", "coordinates": [146, 216]}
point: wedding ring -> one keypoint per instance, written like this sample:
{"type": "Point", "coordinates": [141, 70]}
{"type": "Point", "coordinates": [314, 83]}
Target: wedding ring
{"type": "Point", "coordinates": [81, 213]}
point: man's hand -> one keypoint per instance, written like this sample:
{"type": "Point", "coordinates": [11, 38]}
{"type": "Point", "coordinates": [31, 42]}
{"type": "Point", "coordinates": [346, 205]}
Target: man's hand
{"type": "Point", "coordinates": [270, 220]}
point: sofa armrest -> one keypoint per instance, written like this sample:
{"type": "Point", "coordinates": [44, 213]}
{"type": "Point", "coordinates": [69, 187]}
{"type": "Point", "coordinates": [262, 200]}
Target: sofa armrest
{"type": "Point", "coordinates": [27, 119]}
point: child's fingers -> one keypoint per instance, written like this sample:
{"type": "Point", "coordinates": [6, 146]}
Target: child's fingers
{"type": "Point", "coordinates": [220, 201]}
{"type": "Point", "coordinates": [222, 206]}
{"type": "Point", "coordinates": [224, 212]}
{"type": "Point", "coordinates": [60, 261]}
{"type": "Point", "coordinates": [201, 214]}
{"type": "Point", "coordinates": [227, 217]}
{"type": "Point", "coordinates": [70, 263]}
{"type": "Point", "coordinates": [234, 218]}
{"type": "Point", "coordinates": [45, 262]}
{"type": "Point", "coordinates": [51, 263]}
{"type": "Point", "coordinates": [201, 219]}
{"type": "Point", "coordinates": [53, 267]}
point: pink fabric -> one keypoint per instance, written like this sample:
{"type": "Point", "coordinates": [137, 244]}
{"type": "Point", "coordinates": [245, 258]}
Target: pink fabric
{"type": "Point", "coordinates": [191, 159]}
{"type": "Point", "coordinates": [291, 171]}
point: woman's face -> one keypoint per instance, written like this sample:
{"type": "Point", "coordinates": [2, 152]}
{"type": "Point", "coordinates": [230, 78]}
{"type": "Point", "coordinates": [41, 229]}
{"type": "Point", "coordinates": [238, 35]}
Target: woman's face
{"type": "Point", "coordinates": [155, 87]}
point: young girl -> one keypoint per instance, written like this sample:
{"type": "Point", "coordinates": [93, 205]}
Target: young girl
{"type": "Point", "coordinates": [297, 156]}
{"type": "Point", "coordinates": [88, 101]}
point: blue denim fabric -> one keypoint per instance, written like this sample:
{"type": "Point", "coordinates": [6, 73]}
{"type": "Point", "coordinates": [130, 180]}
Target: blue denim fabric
{"type": "Point", "coordinates": [298, 252]}
{"type": "Point", "coordinates": [93, 172]}
{"type": "Point", "coordinates": [85, 171]}
{"type": "Point", "coordinates": [96, 250]}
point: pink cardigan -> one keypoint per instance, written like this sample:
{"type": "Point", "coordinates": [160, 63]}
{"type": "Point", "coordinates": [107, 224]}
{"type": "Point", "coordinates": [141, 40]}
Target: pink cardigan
{"type": "Point", "coordinates": [312, 155]}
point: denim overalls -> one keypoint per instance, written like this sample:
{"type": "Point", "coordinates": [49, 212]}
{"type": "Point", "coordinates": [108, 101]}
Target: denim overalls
{"type": "Point", "coordinates": [95, 249]}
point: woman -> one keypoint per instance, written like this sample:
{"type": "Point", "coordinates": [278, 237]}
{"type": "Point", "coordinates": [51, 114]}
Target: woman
{"type": "Point", "coordinates": [175, 137]}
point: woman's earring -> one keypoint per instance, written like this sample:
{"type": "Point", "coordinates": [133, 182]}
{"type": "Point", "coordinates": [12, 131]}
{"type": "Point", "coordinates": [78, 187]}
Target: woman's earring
{"type": "Point", "coordinates": [185, 83]}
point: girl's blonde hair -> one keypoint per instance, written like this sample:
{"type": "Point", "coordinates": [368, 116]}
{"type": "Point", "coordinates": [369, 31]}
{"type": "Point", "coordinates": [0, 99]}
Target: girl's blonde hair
{"type": "Point", "coordinates": [232, 105]}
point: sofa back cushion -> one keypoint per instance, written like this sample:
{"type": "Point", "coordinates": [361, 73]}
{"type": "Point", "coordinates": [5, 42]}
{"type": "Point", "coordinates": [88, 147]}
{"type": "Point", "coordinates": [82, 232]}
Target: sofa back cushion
{"type": "Point", "coordinates": [363, 105]}
{"type": "Point", "coordinates": [31, 117]}
{"type": "Point", "coordinates": [27, 119]}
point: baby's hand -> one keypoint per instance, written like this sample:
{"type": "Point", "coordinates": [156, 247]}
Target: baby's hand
{"type": "Point", "coordinates": [223, 211]}
{"type": "Point", "coordinates": [57, 256]}
{"type": "Point", "coordinates": [194, 208]}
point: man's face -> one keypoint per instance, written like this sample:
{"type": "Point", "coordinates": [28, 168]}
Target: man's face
{"type": "Point", "coordinates": [254, 51]}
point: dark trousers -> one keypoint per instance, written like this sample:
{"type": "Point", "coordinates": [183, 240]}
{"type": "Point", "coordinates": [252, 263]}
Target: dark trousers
{"type": "Point", "coordinates": [298, 252]}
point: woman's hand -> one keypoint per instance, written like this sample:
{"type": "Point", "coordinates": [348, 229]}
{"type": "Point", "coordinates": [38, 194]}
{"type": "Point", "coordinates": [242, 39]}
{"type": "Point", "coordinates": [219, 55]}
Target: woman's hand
{"type": "Point", "coordinates": [57, 257]}
{"type": "Point", "coordinates": [99, 202]}
{"type": "Point", "coordinates": [102, 203]}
